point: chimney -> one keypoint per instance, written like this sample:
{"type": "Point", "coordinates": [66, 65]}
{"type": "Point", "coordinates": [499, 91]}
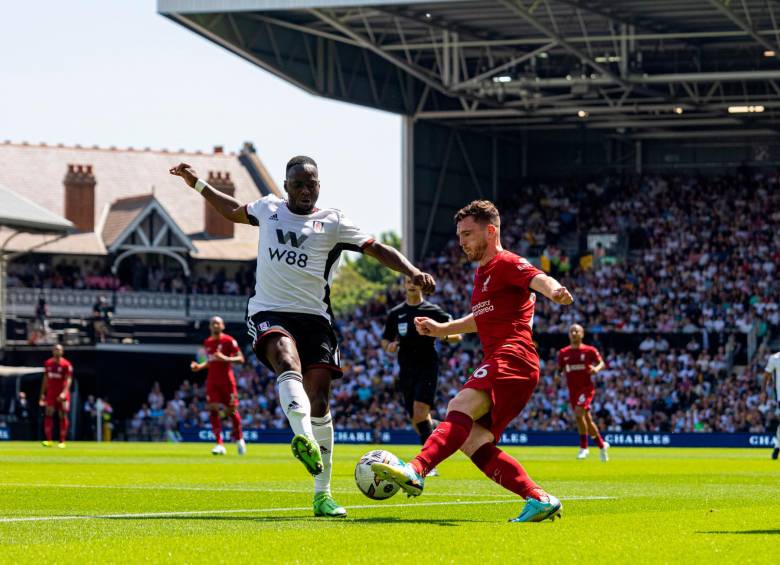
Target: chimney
{"type": "Point", "coordinates": [216, 225]}
{"type": "Point", "coordinates": [80, 197]}
{"type": "Point", "coordinates": [218, 150]}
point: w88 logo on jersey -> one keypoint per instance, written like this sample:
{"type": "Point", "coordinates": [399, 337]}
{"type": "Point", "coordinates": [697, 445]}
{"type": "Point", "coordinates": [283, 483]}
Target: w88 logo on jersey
{"type": "Point", "coordinates": [289, 256]}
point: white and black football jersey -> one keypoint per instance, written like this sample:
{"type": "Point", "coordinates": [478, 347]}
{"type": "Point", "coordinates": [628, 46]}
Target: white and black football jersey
{"type": "Point", "coordinates": [297, 256]}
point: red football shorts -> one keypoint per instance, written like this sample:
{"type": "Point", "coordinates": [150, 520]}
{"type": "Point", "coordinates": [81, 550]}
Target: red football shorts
{"type": "Point", "coordinates": [221, 392]}
{"type": "Point", "coordinates": [53, 400]}
{"type": "Point", "coordinates": [581, 396]}
{"type": "Point", "coordinates": [510, 382]}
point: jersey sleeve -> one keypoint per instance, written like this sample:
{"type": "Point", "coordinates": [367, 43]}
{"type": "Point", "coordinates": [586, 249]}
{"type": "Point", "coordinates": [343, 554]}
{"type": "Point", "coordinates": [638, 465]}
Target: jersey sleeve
{"type": "Point", "coordinates": [391, 327]}
{"type": "Point", "coordinates": [595, 355]}
{"type": "Point", "coordinates": [520, 272]}
{"type": "Point", "coordinates": [560, 361]}
{"type": "Point", "coordinates": [350, 235]}
{"type": "Point", "coordinates": [68, 371]}
{"type": "Point", "coordinates": [254, 210]}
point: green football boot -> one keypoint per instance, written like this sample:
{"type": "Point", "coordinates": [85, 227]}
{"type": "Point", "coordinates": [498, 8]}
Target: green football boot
{"type": "Point", "coordinates": [325, 506]}
{"type": "Point", "coordinates": [307, 452]}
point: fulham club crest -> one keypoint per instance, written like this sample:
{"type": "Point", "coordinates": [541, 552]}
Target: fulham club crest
{"type": "Point", "coordinates": [317, 226]}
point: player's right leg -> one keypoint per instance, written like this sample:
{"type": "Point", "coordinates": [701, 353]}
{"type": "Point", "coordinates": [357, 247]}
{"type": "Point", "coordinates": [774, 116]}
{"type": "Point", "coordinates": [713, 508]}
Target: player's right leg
{"type": "Point", "coordinates": [48, 424]}
{"type": "Point", "coordinates": [582, 429]}
{"type": "Point", "coordinates": [282, 354]}
{"type": "Point", "coordinates": [470, 404]}
{"type": "Point", "coordinates": [593, 430]}
{"type": "Point", "coordinates": [215, 418]}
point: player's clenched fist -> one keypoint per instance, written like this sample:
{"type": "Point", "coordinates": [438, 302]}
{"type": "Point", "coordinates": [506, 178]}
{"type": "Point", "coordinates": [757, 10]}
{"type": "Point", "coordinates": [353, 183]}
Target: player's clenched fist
{"type": "Point", "coordinates": [425, 282]}
{"type": "Point", "coordinates": [186, 172]}
{"type": "Point", "coordinates": [426, 326]}
{"type": "Point", "coordinates": [562, 296]}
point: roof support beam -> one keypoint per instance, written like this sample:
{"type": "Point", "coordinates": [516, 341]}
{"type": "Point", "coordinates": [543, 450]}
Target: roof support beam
{"type": "Point", "coordinates": [744, 26]}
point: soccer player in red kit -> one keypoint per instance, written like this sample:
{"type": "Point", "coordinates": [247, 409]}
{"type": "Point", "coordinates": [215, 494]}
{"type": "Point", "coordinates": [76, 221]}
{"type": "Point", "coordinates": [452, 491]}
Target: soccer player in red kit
{"type": "Point", "coordinates": [55, 393]}
{"type": "Point", "coordinates": [579, 362]}
{"type": "Point", "coordinates": [221, 351]}
{"type": "Point", "coordinates": [502, 309]}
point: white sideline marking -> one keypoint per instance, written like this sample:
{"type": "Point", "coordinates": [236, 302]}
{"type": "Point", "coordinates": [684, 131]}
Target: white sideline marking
{"type": "Point", "coordinates": [266, 510]}
{"type": "Point", "coordinates": [259, 489]}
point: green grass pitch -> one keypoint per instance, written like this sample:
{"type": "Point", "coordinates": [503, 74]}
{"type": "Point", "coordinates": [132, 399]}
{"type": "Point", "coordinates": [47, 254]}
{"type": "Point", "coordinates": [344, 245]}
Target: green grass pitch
{"type": "Point", "coordinates": [177, 503]}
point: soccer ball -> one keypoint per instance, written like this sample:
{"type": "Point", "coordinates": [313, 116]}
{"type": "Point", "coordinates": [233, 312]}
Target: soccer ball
{"type": "Point", "coordinates": [368, 483]}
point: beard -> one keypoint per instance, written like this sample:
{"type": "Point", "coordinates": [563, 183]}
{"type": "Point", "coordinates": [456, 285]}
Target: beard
{"type": "Point", "coordinates": [476, 251]}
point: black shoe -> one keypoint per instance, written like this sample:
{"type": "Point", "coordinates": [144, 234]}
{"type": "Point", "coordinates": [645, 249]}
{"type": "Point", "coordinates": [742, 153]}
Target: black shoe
{"type": "Point", "coordinates": [775, 452]}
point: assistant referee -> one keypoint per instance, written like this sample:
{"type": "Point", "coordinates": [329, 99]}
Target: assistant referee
{"type": "Point", "coordinates": [418, 360]}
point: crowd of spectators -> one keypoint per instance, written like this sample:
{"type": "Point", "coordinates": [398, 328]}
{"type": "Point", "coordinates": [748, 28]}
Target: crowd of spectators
{"type": "Point", "coordinates": [675, 390]}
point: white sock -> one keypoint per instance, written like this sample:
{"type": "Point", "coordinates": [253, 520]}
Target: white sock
{"type": "Point", "coordinates": [323, 433]}
{"type": "Point", "coordinates": [777, 437]}
{"type": "Point", "coordinates": [295, 402]}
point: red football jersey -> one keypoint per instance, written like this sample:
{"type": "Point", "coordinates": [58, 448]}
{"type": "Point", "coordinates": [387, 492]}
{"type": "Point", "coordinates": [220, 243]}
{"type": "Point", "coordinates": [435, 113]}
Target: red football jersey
{"type": "Point", "coordinates": [226, 345]}
{"type": "Point", "coordinates": [57, 372]}
{"type": "Point", "coordinates": [503, 306]}
{"type": "Point", "coordinates": [575, 363]}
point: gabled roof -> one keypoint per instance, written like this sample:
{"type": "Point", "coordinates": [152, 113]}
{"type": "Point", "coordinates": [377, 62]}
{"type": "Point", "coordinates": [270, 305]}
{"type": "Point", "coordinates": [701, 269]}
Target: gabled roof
{"type": "Point", "coordinates": [126, 218]}
{"type": "Point", "coordinates": [37, 171]}
{"type": "Point", "coordinates": [22, 214]}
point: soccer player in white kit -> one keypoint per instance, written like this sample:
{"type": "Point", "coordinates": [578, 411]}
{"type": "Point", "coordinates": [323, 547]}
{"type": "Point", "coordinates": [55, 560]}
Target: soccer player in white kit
{"type": "Point", "coordinates": [772, 378]}
{"type": "Point", "coordinates": [289, 316]}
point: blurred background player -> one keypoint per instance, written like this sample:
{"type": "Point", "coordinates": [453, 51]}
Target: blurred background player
{"type": "Point", "coordinates": [221, 351]}
{"type": "Point", "coordinates": [289, 315]}
{"type": "Point", "coordinates": [502, 309]}
{"type": "Point", "coordinates": [579, 362]}
{"type": "Point", "coordinates": [55, 393]}
{"type": "Point", "coordinates": [772, 377]}
{"type": "Point", "coordinates": [418, 360]}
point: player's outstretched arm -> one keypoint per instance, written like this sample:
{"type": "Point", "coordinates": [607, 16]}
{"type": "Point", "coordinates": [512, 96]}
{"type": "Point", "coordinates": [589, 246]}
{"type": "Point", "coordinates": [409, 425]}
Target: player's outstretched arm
{"type": "Point", "coordinates": [552, 289]}
{"type": "Point", "coordinates": [395, 260]}
{"type": "Point", "coordinates": [226, 205]}
{"type": "Point", "coordinates": [427, 326]}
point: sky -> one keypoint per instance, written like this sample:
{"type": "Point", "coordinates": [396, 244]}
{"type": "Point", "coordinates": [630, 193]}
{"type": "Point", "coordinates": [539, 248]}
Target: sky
{"type": "Point", "coordinates": [117, 73]}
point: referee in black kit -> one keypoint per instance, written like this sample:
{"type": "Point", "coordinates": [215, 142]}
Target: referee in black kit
{"type": "Point", "coordinates": [417, 356]}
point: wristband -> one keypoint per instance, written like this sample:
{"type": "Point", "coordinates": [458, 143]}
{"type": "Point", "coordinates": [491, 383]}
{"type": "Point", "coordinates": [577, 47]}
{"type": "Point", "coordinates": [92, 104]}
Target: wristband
{"type": "Point", "coordinates": [200, 185]}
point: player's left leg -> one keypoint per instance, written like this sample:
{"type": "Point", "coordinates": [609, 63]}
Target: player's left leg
{"type": "Point", "coordinates": [776, 450]}
{"type": "Point", "coordinates": [316, 382]}
{"type": "Point", "coordinates": [593, 431]}
{"type": "Point", "coordinates": [48, 424]}
{"type": "Point", "coordinates": [506, 471]}
{"type": "Point", "coordinates": [422, 422]}
{"type": "Point", "coordinates": [237, 433]}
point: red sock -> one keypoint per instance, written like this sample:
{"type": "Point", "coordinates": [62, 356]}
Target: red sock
{"type": "Point", "coordinates": [445, 440]}
{"type": "Point", "coordinates": [63, 428]}
{"type": "Point", "coordinates": [506, 471]}
{"type": "Point", "coordinates": [48, 424]}
{"type": "Point", "coordinates": [235, 418]}
{"type": "Point", "coordinates": [583, 441]}
{"type": "Point", "coordinates": [599, 440]}
{"type": "Point", "coordinates": [216, 425]}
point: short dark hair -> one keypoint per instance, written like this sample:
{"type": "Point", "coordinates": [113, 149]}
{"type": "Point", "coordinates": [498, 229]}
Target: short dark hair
{"type": "Point", "coordinates": [483, 212]}
{"type": "Point", "coordinates": [299, 160]}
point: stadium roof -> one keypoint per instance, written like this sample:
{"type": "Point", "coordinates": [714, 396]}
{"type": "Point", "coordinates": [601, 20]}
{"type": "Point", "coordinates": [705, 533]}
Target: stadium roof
{"type": "Point", "coordinates": [638, 68]}
{"type": "Point", "coordinates": [20, 214]}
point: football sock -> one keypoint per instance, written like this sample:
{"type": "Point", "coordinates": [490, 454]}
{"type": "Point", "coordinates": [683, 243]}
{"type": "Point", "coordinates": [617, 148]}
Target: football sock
{"type": "Point", "coordinates": [216, 425]}
{"type": "Point", "coordinates": [583, 441]}
{"type": "Point", "coordinates": [64, 423]}
{"type": "Point", "coordinates": [235, 419]}
{"type": "Point", "coordinates": [506, 471]}
{"type": "Point", "coordinates": [424, 429]}
{"type": "Point", "coordinates": [443, 442]}
{"type": "Point", "coordinates": [295, 402]}
{"type": "Point", "coordinates": [48, 424]}
{"type": "Point", "coordinates": [323, 434]}
{"type": "Point", "coordinates": [599, 440]}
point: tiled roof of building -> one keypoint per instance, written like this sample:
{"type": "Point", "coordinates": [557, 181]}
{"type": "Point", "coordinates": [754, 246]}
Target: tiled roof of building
{"type": "Point", "coordinates": [123, 176]}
